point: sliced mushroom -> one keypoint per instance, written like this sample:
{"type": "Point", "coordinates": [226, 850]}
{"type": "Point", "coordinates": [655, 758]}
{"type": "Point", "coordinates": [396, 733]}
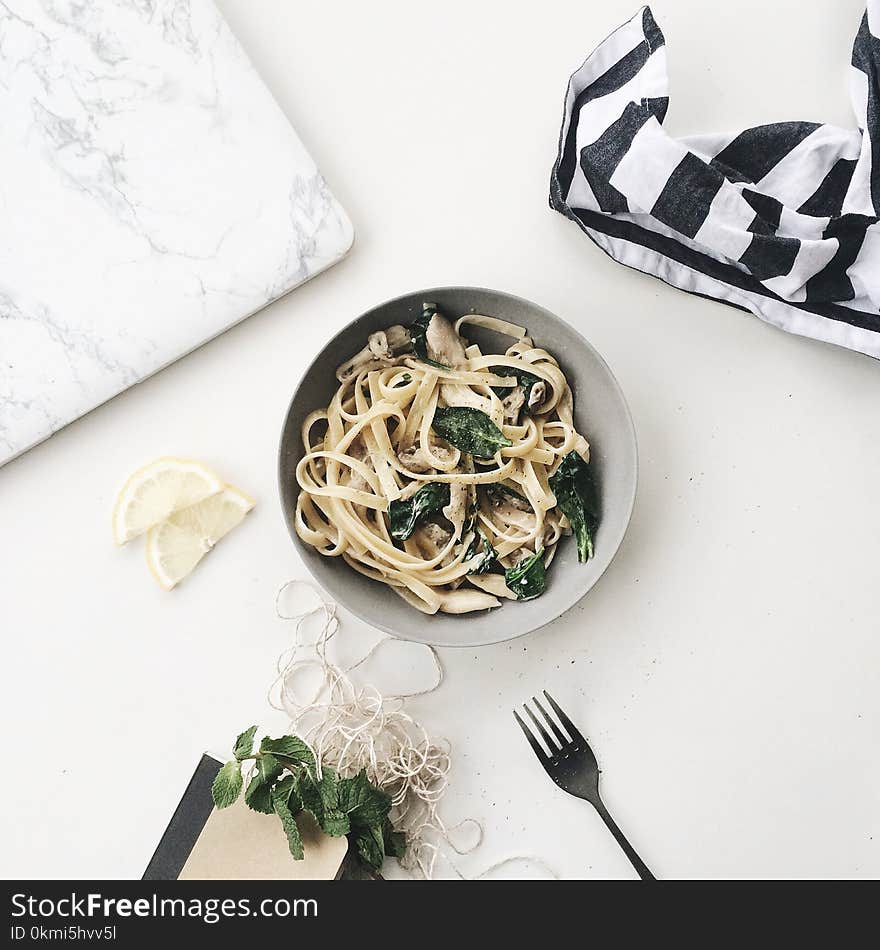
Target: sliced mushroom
{"type": "Point", "coordinates": [465, 600]}
{"type": "Point", "coordinates": [444, 345]}
{"type": "Point", "coordinates": [512, 403]}
{"type": "Point", "coordinates": [415, 459]}
{"type": "Point", "coordinates": [431, 538]}
{"type": "Point", "coordinates": [537, 395]}
{"type": "Point", "coordinates": [398, 339]}
{"type": "Point", "coordinates": [377, 344]}
{"type": "Point", "coordinates": [383, 349]}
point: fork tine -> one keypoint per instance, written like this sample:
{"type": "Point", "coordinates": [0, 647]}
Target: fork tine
{"type": "Point", "coordinates": [551, 722]}
{"type": "Point", "coordinates": [552, 746]}
{"type": "Point", "coordinates": [569, 725]}
{"type": "Point", "coordinates": [533, 742]}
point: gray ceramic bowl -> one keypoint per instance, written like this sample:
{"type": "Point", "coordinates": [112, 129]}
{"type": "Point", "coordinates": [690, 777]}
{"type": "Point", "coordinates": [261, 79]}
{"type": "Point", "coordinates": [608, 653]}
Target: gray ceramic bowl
{"type": "Point", "coordinates": [601, 414]}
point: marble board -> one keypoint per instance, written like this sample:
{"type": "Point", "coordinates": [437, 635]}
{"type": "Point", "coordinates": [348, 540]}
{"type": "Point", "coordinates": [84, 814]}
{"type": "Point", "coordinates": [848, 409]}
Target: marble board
{"type": "Point", "coordinates": [152, 194]}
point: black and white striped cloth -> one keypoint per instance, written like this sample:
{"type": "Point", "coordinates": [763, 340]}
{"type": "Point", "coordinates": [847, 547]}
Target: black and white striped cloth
{"type": "Point", "coordinates": [781, 219]}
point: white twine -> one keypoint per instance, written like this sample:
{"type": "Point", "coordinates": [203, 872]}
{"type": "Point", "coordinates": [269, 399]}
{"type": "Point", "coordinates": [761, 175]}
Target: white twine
{"type": "Point", "coordinates": [354, 727]}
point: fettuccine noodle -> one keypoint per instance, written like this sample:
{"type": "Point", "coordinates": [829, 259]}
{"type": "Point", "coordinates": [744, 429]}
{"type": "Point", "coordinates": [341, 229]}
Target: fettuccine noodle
{"type": "Point", "coordinates": [373, 457]}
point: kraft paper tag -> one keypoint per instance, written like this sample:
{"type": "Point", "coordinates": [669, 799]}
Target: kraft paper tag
{"type": "Point", "coordinates": [237, 844]}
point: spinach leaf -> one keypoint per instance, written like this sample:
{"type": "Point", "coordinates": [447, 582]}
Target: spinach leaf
{"type": "Point", "coordinates": [495, 491]}
{"type": "Point", "coordinates": [527, 579]}
{"type": "Point", "coordinates": [470, 430]}
{"type": "Point", "coordinates": [572, 484]}
{"type": "Point", "coordinates": [418, 333]}
{"type": "Point", "coordinates": [472, 510]}
{"type": "Point", "coordinates": [488, 553]}
{"type": "Point", "coordinates": [405, 515]}
{"type": "Point", "coordinates": [523, 378]}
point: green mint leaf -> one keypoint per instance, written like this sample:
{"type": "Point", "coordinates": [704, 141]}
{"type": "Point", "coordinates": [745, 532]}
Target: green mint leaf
{"type": "Point", "coordinates": [268, 768]}
{"type": "Point", "coordinates": [244, 744]}
{"type": "Point", "coordinates": [363, 802]}
{"type": "Point", "coordinates": [258, 797]}
{"type": "Point", "coordinates": [290, 750]}
{"type": "Point", "coordinates": [335, 823]}
{"type": "Point", "coordinates": [404, 516]}
{"type": "Point", "coordinates": [527, 579]}
{"type": "Point", "coordinates": [309, 793]}
{"type": "Point", "coordinates": [418, 333]}
{"type": "Point", "coordinates": [349, 790]}
{"type": "Point", "coordinates": [371, 846]}
{"type": "Point", "coordinates": [227, 784]}
{"type": "Point", "coordinates": [285, 790]}
{"type": "Point", "coordinates": [291, 829]}
{"type": "Point", "coordinates": [329, 789]}
{"type": "Point", "coordinates": [395, 841]}
{"type": "Point", "coordinates": [470, 430]}
{"type": "Point", "coordinates": [572, 484]}
{"type": "Point", "coordinates": [482, 546]}
{"type": "Point", "coordinates": [258, 794]}
{"type": "Point", "coordinates": [321, 798]}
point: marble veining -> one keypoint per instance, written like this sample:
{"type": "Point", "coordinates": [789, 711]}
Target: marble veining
{"type": "Point", "coordinates": [152, 194]}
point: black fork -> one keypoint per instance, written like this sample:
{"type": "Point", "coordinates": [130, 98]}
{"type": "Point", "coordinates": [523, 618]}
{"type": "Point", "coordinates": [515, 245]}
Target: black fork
{"type": "Point", "coordinates": [570, 762]}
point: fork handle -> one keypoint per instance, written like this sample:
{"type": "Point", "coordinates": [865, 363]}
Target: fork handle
{"type": "Point", "coordinates": [628, 849]}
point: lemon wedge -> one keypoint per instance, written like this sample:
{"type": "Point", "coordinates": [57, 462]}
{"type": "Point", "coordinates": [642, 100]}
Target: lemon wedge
{"type": "Point", "coordinates": [176, 546]}
{"type": "Point", "coordinates": [158, 490]}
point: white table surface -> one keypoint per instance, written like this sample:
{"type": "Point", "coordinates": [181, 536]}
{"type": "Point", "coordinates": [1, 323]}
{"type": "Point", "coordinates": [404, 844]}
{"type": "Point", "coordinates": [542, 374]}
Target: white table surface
{"type": "Point", "coordinates": [725, 667]}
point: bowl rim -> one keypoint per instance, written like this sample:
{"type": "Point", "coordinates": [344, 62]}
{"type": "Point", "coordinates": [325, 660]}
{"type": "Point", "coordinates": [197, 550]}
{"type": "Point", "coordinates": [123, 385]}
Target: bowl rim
{"type": "Point", "coordinates": [342, 598]}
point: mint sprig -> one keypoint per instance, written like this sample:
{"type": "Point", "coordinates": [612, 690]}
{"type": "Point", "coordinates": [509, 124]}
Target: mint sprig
{"type": "Point", "coordinates": [227, 785]}
{"type": "Point", "coordinates": [289, 750]}
{"type": "Point", "coordinates": [258, 795]}
{"type": "Point", "coordinates": [283, 781]}
{"type": "Point", "coordinates": [244, 744]}
{"type": "Point", "coordinates": [291, 828]}
{"type": "Point", "coordinates": [366, 805]}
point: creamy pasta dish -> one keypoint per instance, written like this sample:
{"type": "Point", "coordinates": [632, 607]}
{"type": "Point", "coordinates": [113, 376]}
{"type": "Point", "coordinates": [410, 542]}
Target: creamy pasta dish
{"type": "Point", "coordinates": [446, 473]}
